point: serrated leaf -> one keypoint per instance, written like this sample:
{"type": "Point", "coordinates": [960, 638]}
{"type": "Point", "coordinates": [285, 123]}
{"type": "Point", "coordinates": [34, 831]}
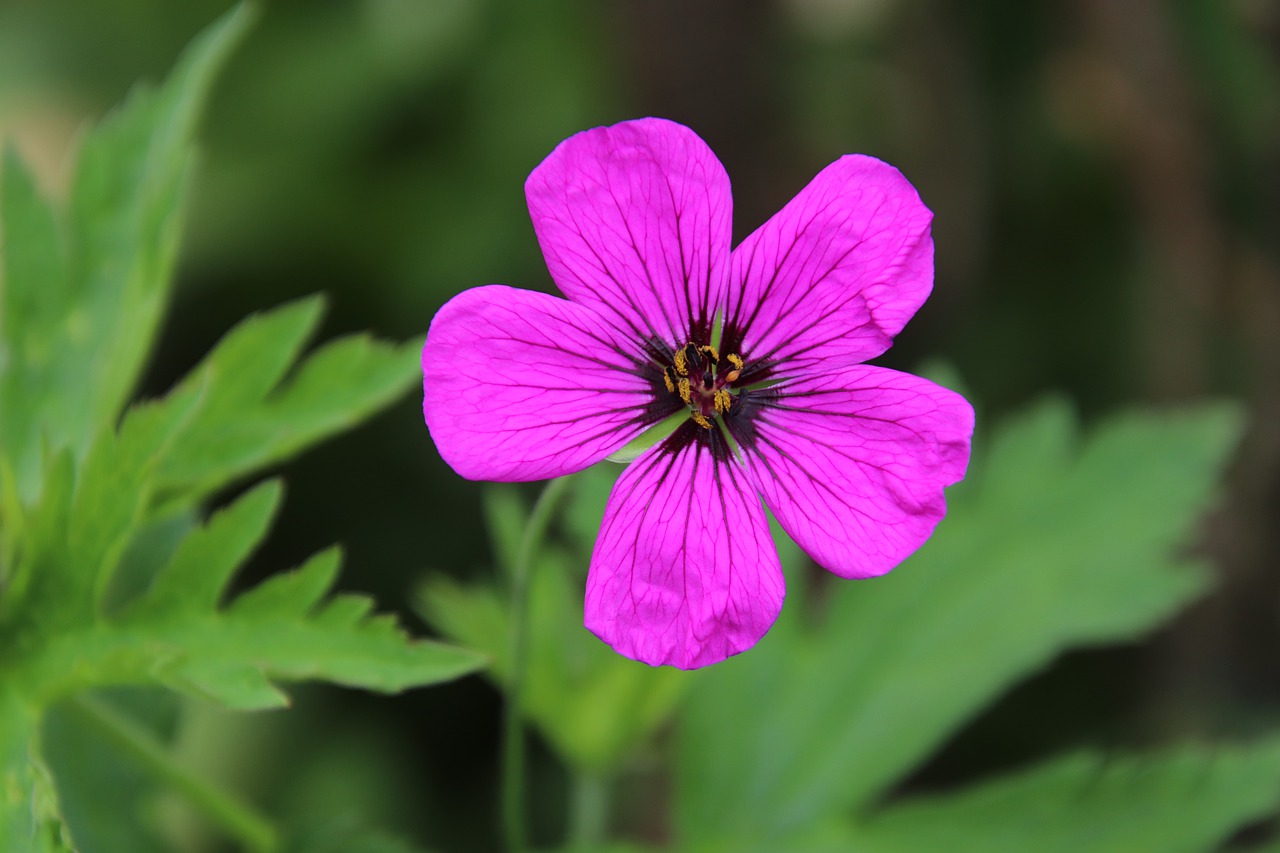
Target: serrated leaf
{"type": "Point", "coordinates": [68, 563]}
{"type": "Point", "coordinates": [1183, 800]}
{"type": "Point", "coordinates": [282, 630]}
{"type": "Point", "coordinates": [193, 582]}
{"type": "Point", "coordinates": [1046, 547]}
{"type": "Point", "coordinates": [291, 595]}
{"type": "Point", "coordinates": [77, 330]}
{"type": "Point", "coordinates": [252, 358]}
{"type": "Point", "coordinates": [251, 419]}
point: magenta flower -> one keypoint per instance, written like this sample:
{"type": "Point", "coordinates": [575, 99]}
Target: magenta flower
{"type": "Point", "coordinates": [759, 350]}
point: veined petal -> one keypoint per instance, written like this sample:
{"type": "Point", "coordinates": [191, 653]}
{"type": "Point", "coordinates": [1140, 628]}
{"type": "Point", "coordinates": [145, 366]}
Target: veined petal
{"type": "Point", "coordinates": [853, 463]}
{"type": "Point", "coordinates": [835, 274]}
{"type": "Point", "coordinates": [519, 385]}
{"type": "Point", "coordinates": [634, 221]}
{"type": "Point", "coordinates": [684, 571]}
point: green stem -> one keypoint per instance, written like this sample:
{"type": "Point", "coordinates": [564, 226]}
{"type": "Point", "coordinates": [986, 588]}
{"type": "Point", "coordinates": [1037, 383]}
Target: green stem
{"type": "Point", "coordinates": [254, 831]}
{"type": "Point", "coordinates": [589, 810]}
{"type": "Point", "coordinates": [518, 654]}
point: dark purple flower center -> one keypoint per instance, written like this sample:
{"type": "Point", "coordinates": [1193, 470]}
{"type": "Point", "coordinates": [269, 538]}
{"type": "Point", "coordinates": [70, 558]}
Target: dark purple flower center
{"type": "Point", "coordinates": [704, 384]}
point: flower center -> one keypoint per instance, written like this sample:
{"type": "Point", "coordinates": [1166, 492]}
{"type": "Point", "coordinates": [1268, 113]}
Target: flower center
{"type": "Point", "coordinates": [698, 378]}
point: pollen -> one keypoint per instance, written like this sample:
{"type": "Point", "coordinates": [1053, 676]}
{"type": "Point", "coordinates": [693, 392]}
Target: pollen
{"type": "Point", "coordinates": [703, 382]}
{"type": "Point", "coordinates": [681, 363]}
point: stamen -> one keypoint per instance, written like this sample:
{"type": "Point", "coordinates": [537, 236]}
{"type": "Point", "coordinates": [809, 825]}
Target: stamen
{"type": "Point", "coordinates": [681, 362]}
{"type": "Point", "coordinates": [736, 361]}
{"type": "Point", "coordinates": [700, 420]}
{"type": "Point", "coordinates": [723, 401]}
{"type": "Point", "coordinates": [686, 392]}
{"type": "Point", "coordinates": [711, 353]}
{"type": "Point", "coordinates": [692, 355]}
{"type": "Point", "coordinates": [666, 378]}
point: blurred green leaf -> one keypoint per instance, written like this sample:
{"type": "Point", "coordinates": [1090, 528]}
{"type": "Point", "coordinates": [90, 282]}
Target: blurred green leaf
{"type": "Point", "coordinates": [80, 309]}
{"type": "Point", "coordinates": [1051, 543]}
{"type": "Point", "coordinates": [109, 800]}
{"type": "Point", "coordinates": [594, 706]}
{"type": "Point", "coordinates": [327, 835]}
{"type": "Point", "coordinates": [29, 821]}
{"type": "Point", "coordinates": [1183, 800]}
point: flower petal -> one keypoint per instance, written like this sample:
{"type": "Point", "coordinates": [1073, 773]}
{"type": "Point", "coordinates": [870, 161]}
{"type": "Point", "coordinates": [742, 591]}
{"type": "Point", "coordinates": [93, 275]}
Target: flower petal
{"type": "Point", "coordinates": [519, 385]}
{"type": "Point", "coordinates": [853, 464]}
{"type": "Point", "coordinates": [835, 274]}
{"type": "Point", "coordinates": [684, 571]}
{"type": "Point", "coordinates": [635, 221]}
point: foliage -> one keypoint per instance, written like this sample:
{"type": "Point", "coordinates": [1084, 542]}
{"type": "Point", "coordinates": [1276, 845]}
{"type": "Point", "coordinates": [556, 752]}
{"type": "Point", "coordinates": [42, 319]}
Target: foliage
{"type": "Point", "coordinates": [1055, 541]}
{"type": "Point", "coordinates": [594, 706]}
{"type": "Point", "coordinates": [104, 578]}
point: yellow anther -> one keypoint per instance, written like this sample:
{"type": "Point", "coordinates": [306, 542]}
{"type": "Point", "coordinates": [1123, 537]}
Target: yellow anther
{"type": "Point", "coordinates": [681, 363]}
{"type": "Point", "coordinates": [686, 392]}
{"type": "Point", "coordinates": [732, 375]}
{"type": "Point", "coordinates": [666, 378]}
{"type": "Point", "coordinates": [710, 351]}
{"type": "Point", "coordinates": [723, 400]}
{"type": "Point", "coordinates": [701, 420]}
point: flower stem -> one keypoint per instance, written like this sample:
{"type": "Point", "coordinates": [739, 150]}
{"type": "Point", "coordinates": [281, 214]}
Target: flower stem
{"type": "Point", "coordinates": [518, 654]}
{"type": "Point", "coordinates": [254, 831]}
{"type": "Point", "coordinates": [589, 810]}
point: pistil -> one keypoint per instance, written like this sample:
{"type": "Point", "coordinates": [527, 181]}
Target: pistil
{"type": "Point", "coordinates": [694, 375]}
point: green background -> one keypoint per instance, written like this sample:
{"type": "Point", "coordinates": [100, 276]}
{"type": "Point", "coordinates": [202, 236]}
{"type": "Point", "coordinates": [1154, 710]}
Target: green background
{"type": "Point", "coordinates": [1106, 185]}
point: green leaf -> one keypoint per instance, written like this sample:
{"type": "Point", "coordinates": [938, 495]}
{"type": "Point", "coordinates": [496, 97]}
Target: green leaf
{"type": "Point", "coordinates": [1048, 545]}
{"type": "Point", "coordinates": [107, 795]}
{"type": "Point", "coordinates": [35, 302]}
{"type": "Point", "coordinates": [68, 564]}
{"type": "Point", "coordinates": [593, 706]}
{"type": "Point", "coordinates": [192, 583]}
{"type": "Point", "coordinates": [281, 630]}
{"type": "Point", "coordinates": [249, 418]}
{"type": "Point", "coordinates": [80, 311]}
{"type": "Point", "coordinates": [1183, 800]}
{"type": "Point", "coordinates": [29, 821]}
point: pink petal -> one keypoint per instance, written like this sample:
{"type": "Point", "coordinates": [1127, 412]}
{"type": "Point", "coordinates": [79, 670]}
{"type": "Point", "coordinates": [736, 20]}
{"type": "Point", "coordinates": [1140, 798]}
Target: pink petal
{"type": "Point", "coordinates": [520, 385]}
{"type": "Point", "coordinates": [853, 464]}
{"type": "Point", "coordinates": [684, 571]}
{"type": "Point", "coordinates": [835, 274]}
{"type": "Point", "coordinates": [634, 221]}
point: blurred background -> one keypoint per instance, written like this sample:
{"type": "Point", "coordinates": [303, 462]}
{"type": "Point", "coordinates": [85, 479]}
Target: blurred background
{"type": "Point", "coordinates": [1106, 184]}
